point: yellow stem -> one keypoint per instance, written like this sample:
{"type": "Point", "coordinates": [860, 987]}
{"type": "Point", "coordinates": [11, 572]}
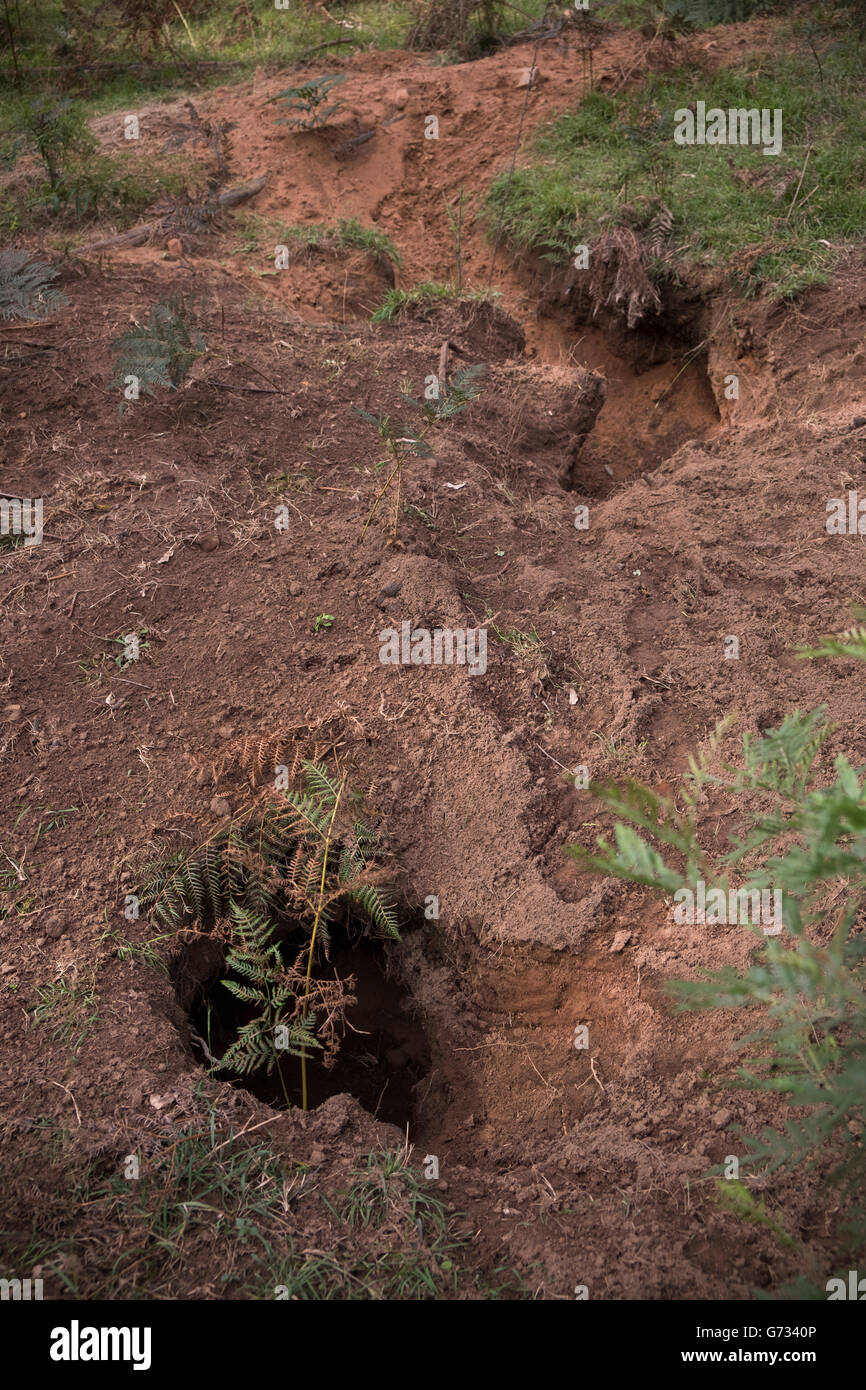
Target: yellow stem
{"type": "Point", "coordinates": [395, 472]}
{"type": "Point", "coordinates": [313, 934]}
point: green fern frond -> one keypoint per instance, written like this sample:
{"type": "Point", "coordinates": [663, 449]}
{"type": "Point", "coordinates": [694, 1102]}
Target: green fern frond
{"type": "Point", "coordinates": [161, 351]}
{"type": "Point", "coordinates": [247, 993]}
{"type": "Point", "coordinates": [260, 877]}
{"type": "Point", "coordinates": [320, 784]}
{"type": "Point", "coordinates": [25, 287]}
{"type": "Point", "coordinates": [376, 908]}
{"type": "Point", "coordinates": [804, 837]}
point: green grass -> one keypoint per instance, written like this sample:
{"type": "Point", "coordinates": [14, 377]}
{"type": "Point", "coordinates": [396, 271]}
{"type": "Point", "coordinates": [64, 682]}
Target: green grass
{"type": "Point", "coordinates": [636, 14]}
{"type": "Point", "coordinates": [279, 37]}
{"type": "Point", "coordinates": [230, 1213]}
{"type": "Point", "coordinates": [351, 233]}
{"type": "Point", "coordinates": [425, 296]}
{"type": "Point", "coordinates": [98, 186]}
{"type": "Point", "coordinates": [70, 1010]}
{"type": "Point", "coordinates": [525, 645]}
{"type": "Point", "coordinates": [387, 1187]}
{"type": "Point", "coordinates": [212, 35]}
{"type": "Point", "coordinates": [589, 162]}
{"type": "Point", "coordinates": [347, 234]}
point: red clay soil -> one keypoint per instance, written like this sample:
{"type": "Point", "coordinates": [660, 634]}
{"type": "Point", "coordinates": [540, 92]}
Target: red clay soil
{"type": "Point", "coordinates": [706, 518]}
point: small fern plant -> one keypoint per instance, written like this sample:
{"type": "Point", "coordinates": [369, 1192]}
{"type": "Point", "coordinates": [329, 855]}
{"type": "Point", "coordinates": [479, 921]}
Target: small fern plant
{"type": "Point", "coordinates": [58, 134]}
{"type": "Point", "coordinates": [159, 352]}
{"type": "Point", "coordinates": [26, 291]}
{"type": "Point", "coordinates": [308, 104]}
{"type": "Point", "coordinates": [804, 834]}
{"type": "Point", "coordinates": [403, 441]}
{"type": "Point", "coordinates": [262, 981]}
{"type": "Point", "coordinates": [269, 878]}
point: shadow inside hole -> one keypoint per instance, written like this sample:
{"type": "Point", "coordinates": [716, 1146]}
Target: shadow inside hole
{"type": "Point", "coordinates": [383, 1053]}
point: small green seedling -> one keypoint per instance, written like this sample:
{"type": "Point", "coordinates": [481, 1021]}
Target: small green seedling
{"type": "Point", "coordinates": [306, 103]}
{"type": "Point", "coordinates": [404, 442]}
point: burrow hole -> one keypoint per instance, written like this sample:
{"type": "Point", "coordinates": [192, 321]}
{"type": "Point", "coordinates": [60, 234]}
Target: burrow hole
{"type": "Point", "coordinates": [383, 1052]}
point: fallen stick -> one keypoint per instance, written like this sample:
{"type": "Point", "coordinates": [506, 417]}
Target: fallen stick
{"type": "Point", "coordinates": [252, 390]}
{"type": "Point", "coordinates": [443, 361]}
{"type": "Point", "coordinates": [332, 43]}
{"type": "Point", "coordinates": [800, 184]}
{"type": "Point", "coordinates": [242, 192]}
{"type": "Point", "coordinates": [17, 327]}
{"type": "Point", "coordinates": [137, 236]}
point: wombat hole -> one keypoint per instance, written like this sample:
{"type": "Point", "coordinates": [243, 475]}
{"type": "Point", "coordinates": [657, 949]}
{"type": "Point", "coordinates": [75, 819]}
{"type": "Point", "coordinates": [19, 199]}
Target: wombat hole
{"type": "Point", "coordinates": [383, 1052]}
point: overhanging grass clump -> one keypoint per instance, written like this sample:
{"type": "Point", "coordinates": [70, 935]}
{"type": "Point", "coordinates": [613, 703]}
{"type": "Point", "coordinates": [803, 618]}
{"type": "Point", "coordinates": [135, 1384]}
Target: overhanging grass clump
{"type": "Point", "coordinates": [423, 297]}
{"type": "Point", "coordinates": [733, 207]}
{"type": "Point", "coordinates": [348, 234]}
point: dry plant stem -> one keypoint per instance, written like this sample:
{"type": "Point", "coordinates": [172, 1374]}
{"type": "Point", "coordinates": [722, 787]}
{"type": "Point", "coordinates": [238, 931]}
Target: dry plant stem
{"type": "Point", "coordinates": [397, 506]}
{"type": "Point", "coordinates": [443, 360]}
{"type": "Point", "coordinates": [800, 184]}
{"type": "Point", "coordinates": [316, 921]}
{"type": "Point", "coordinates": [12, 45]}
{"type": "Point", "coordinates": [381, 493]}
{"type": "Point", "coordinates": [396, 472]}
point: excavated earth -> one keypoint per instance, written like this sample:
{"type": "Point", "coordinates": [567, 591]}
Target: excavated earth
{"type": "Point", "coordinates": [706, 519]}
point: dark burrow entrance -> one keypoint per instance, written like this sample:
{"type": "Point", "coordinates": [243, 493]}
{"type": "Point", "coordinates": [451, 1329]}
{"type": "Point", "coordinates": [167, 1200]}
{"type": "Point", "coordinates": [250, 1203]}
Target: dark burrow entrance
{"type": "Point", "coordinates": [383, 1051]}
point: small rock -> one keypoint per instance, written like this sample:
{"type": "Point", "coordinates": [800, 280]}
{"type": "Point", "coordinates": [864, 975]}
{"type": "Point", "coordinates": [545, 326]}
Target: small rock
{"type": "Point", "coordinates": [209, 542]}
{"type": "Point", "coordinates": [721, 1118]}
{"type": "Point", "coordinates": [620, 941]}
{"type": "Point", "coordinates": [220, 806]}
{"type": "Point", "coordinates": [174, 248]}
{"type": "Point", "coordinates": [526, 76]}
{"type": "Point", "coordinates": [55, 928]}
{"type": "Point", "coordinates": [401, 96]}
{"type": "Point", "coordinates": [160, 1102]}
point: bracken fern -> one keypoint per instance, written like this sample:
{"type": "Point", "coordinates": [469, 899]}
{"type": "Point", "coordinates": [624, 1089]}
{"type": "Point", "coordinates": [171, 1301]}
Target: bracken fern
{"type": "Point", "coordinates": [25, 287]}
{"type": "Point", "coordinates": [271, 875]}
{"type": "Point", "coordinates": [805, 835]}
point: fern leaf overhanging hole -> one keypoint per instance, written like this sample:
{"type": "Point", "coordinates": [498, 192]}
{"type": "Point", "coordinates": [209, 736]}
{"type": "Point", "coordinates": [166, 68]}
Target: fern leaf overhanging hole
{"type": "Point", "coordinates": [267, 885]}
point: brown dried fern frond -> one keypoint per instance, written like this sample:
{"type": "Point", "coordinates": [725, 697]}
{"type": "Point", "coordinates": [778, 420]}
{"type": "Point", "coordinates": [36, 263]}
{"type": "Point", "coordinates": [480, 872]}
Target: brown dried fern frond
{"type": "Point", "coordinates": [288, 747]}
{"type": "Point", "coordinates": [465, 25]}
{"type": "Point", "coordinates": [328, 1000]}
{"type": "Point", "coordinates": [659, 230]}
{"type": "Point", "coordinates": [622, 257]}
